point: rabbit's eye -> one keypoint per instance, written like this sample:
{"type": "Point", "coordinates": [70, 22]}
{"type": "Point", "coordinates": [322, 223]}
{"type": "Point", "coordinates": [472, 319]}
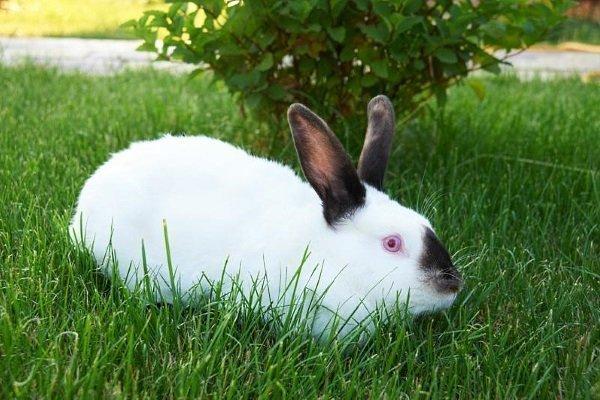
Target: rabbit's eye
{"type": "Point", "coordinates": [392, 243]}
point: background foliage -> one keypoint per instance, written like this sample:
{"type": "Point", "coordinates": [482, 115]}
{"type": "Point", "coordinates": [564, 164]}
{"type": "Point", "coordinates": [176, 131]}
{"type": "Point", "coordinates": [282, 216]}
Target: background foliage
{"type": "Point", "coordinates": [336, 54]}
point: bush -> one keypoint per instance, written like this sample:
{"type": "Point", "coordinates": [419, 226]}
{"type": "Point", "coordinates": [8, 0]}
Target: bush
{"type": "Point", "coordinates": [336, 54]}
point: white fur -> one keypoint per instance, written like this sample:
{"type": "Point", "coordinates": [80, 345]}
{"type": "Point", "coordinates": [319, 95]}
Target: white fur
{"type": "Point", "coordinates": [221, 203]}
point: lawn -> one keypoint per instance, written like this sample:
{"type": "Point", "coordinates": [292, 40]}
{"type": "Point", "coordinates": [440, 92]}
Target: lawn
{"type": "Point", "coordinates": [80, 18]}
{"type": "Point", "coordinates": [511, 182]}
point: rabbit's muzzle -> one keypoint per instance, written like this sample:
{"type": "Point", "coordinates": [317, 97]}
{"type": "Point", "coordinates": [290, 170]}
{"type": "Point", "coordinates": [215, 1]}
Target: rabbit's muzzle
{"type": "Point", "coordinates": [441, 273]}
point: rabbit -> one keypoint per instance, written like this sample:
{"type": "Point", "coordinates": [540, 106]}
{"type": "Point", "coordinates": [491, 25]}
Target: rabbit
{"type": "Point", "coordinates": [231, 214]}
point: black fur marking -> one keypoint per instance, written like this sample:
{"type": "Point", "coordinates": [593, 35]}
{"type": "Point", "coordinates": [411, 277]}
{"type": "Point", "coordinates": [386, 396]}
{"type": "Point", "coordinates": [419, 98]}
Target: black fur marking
{"type": "Point", "coordinates": [378, 141]}
{"type": "Point", "coordinates": [325, 164]}
{"type": "Point", "coordinates": [436, 261]}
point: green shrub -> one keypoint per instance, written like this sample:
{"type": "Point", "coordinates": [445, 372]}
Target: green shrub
{"type": "Point", "coordinates": [336, 54]}
{"type": "Point", "coordinates": [578, 30]}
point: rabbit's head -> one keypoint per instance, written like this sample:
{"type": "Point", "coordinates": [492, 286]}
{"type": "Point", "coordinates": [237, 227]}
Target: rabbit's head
{"type": "Point", "coordinates": [392, 252]}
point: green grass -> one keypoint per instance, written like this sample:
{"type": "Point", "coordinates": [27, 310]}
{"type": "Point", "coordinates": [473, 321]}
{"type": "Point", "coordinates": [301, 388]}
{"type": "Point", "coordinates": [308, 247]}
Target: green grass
{"type": "Point", "coordinates": [511, 183]}
{"type": "Point", "coordinates": [79, 18]}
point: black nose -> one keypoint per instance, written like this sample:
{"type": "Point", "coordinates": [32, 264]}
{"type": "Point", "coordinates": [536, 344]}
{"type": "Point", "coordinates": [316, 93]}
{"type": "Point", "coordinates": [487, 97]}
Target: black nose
{"type": "Point", "coordinates": [447, 282]}
{"type": "Point", "coordinates": [437, 263]}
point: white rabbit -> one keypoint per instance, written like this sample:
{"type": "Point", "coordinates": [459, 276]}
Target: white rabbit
{"type": "Point", "coordinates": [220, 203]}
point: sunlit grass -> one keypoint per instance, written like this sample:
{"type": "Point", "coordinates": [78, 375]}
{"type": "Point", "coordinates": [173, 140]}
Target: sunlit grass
{"type": "Point", "coordinates": [511, 183]}
{"type": "Point", "coordinates": [81, 18]}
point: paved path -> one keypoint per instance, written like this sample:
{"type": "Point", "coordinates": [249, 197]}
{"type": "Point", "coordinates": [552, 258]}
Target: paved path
{"type": "Point", "coordinates": [94, 56]}
{"type": "Point", "coordinates": [549, 63]}
{"type": "Point", "coordinates": [98, 56]}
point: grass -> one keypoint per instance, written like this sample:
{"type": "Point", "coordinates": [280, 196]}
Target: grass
{"type": "Point", "coordinates": [79, 18]}
{"type": "Point", "coordinates": [511, 183]}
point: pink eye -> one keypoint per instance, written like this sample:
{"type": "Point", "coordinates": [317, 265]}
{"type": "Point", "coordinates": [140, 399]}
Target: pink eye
{"type": "Point", "coordinates": [392, 243]}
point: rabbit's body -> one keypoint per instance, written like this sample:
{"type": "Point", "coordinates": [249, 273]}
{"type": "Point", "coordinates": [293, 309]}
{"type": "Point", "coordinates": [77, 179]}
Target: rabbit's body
{"type": "Point", "coordinates": [222, 217]}
{"type": "Point", "coordinates": [224, 208]}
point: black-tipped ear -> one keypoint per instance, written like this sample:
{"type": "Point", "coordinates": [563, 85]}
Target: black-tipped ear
{"type": "Point", "coordinates": [378, 141]}
{"type": "Point", "coordinates": [325, 164]}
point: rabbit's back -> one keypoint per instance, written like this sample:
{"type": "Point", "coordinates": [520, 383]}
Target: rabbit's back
{"type": "Point", "coordinates": [216, 200]}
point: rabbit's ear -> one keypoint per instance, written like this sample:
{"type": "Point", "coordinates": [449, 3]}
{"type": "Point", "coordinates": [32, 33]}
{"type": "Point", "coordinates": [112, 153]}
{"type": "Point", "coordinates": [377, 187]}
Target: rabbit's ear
{"type": "Point", "coordinates": [325, 164]}
{"type": "Point", "coordinates": [378, 140]}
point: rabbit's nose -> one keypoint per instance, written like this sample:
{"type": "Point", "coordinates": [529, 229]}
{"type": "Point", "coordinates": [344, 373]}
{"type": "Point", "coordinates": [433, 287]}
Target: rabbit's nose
{"type": "Point", "coordinates": [436, 260]}
{"type": "Point", "coordinates": [448, 281]}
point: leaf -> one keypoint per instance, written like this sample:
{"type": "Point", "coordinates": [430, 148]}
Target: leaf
{"type": "Point", "coordinates": [306, 65]}
{"type": "Point", "coordinates": [398, 55]}
{"type": "Point", "coordinates": [338, 34]}
{"type": "Point", "coordinates": [369, 80]}
{"type": "Point", "coordinates": [244, 80]}
{"type": "Point", "coordinates": [528, 27]}
{"type": "Point", "coordinates": [231, 49]}
{"type": "Point", "coordinates": [337, 6]}
{"type": "Point", "coordinates": [494, 68]}
{"type": "Point", "coordinates": [347, 53]}
{"type": "Point", "coordinates": [175, 8]}
{"type": "Point", "coordinates": [495, 29]}
{"type": "Point", "coordinates": [478, 87]}
{"type": "Point", "coordinates": [445, 55]}
{"type": "Point", "coordinates": [406, 23]}
{"type": "Point", "coordinates": [146, 46]}
{"type": "Point", "coordinates": [366, 53]}
{"type": "Point", "coordinates": [265, 39]}
{"type": "Point", "coordinates": [132, 23]}
{"type": "Point", "coordinates": [253, 100]}
{"type": "Point", "coordinates": [383, 8]}
{"type": "Point", "coordinates": [159, 20]}
{"type": "Point", "coordinates": [362, 5]}
{"type": "Point", "coordinates": [419, 65]}
{"type": "Point", "coordinates": [412, 6]}
{"type": "Point", "coordinates": [301, 9]}
{"type": "Point", "coordinates": [276, 92]}
{"type": "Point", "coordinates": [266, 63]}
{"type": "Point", "coordinates": [380, 68]}
{"type": "Point", "coordinates": [379, 32]}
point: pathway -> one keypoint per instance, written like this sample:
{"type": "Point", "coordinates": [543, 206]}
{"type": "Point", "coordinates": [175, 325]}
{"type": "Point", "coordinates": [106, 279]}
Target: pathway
{"type": "Point", "coordinates": [99, 56]}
